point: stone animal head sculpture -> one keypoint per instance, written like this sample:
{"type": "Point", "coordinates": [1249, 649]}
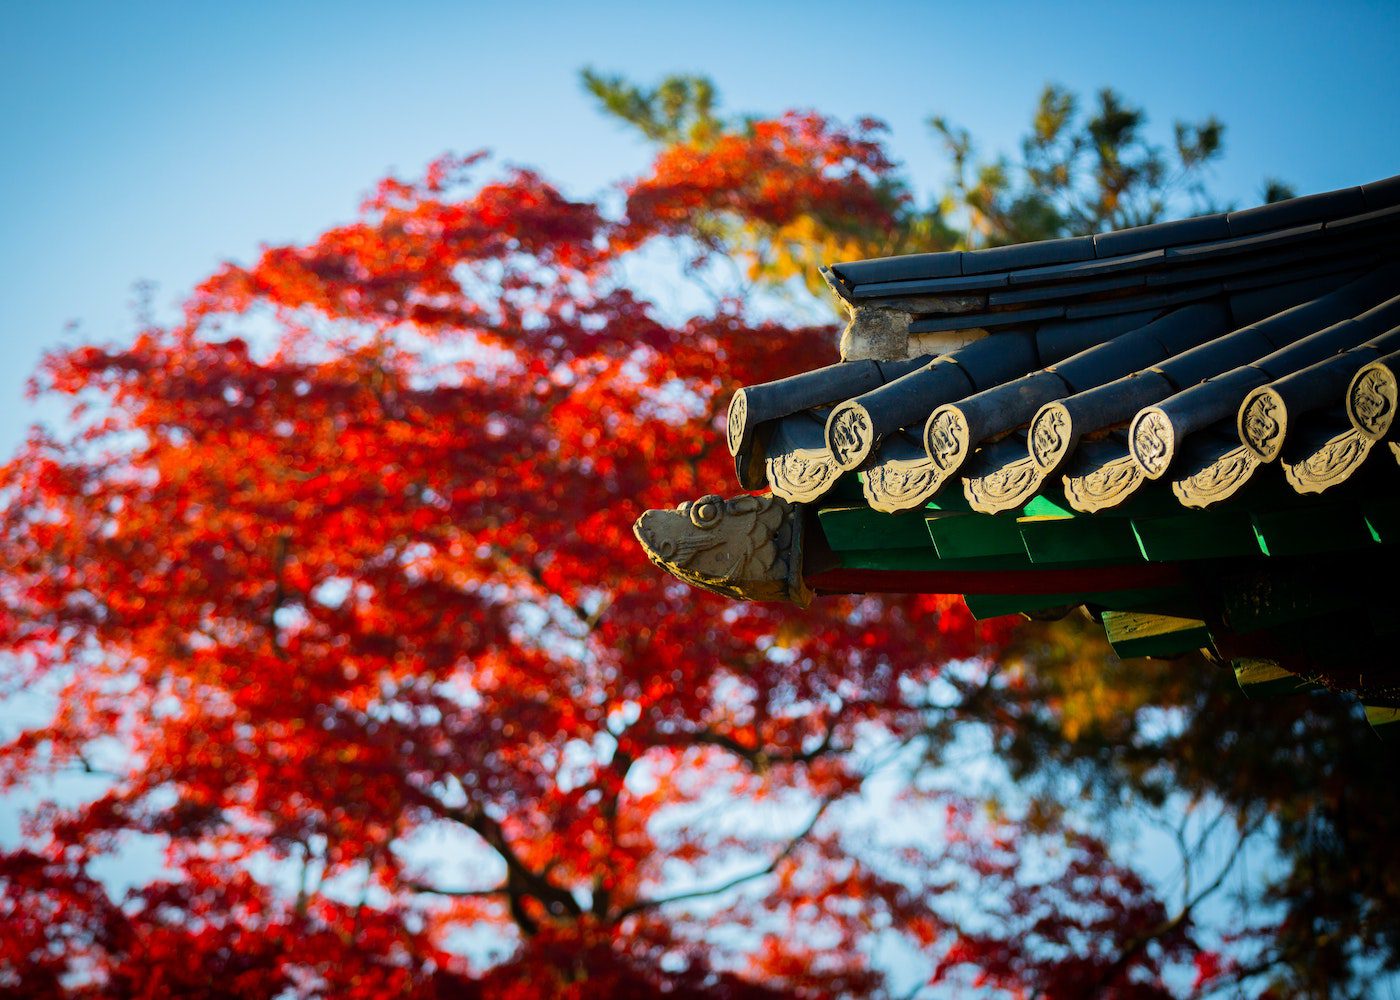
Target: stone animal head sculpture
{"type": "Point", "coordinates": [746, 547]}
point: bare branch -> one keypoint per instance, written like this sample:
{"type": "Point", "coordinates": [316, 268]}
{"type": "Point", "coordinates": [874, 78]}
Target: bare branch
{"type": "Point", "coordinates": [521, 880]}
{"type": "Point", "coordinates": [415, 886]}
{"type": "Point", "coordinates": [768, 869]}
{"type": "Point", "coordinates": [1136, 946]}
{"type": "Point", "coordinates": [759, 758]}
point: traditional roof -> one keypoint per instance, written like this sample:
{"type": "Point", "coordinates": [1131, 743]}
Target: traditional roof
{"type": "Point", "coordinates": [1152, 422]}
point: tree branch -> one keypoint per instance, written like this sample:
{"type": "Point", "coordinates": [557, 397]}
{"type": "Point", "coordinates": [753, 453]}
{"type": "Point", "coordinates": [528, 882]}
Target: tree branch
{"type": "Point", "coordinates": [759, 758]}
{"type": "Point", "coordinates": [768, 869]}
{"type": "Point", "coordinates": [415, 886]}
{"type": "Point", "coordinates": [1136, 946]}
{"type": "Point", "coordinates": [521, 880]}
{"type": "Point", "coordinates": [588, 620]}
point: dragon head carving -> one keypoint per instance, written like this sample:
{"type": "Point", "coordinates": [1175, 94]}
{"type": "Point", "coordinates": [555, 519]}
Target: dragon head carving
{"type": "Point", "coordinates": [746, 547]}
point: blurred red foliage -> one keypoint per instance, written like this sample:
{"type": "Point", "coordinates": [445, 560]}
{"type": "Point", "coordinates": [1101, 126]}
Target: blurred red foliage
{"type": "Point", "coordinates": [372, 579]}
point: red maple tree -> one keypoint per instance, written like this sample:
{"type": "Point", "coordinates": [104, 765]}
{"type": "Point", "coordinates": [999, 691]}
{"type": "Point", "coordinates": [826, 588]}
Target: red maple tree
{"type": "Point", "coordinates": [334, 581]}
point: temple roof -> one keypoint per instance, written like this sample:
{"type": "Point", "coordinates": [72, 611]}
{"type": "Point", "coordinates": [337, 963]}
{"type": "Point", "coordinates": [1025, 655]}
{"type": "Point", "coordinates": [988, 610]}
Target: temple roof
{"type": "Point", "coordinates": [1202, 353]}
{"type": "Point", "coordinates": [1179, 426]}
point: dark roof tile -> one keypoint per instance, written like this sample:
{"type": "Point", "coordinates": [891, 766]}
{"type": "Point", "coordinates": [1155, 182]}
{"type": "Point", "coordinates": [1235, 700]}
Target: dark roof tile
{"type": "Point", "coordinates": [1389, 215]}
{"type": "Point", "coordinates": [1350, 264]}
{"type": "Point", "coordinates": [908, 267]}
{"type": "Point", "coordinates": [1052, 260]}
{"type": "Point", "coordinates": [1162, 234]}
{"type": "Point", "coordinates": [1382, 194]}
{"type": "Point", "coordinates": [1085, 269]}
{"type": "Point", "coordinates": [1152, 300]}
{"type": "Point", "coordinates": [1250, 242]}
{"type": "Point", "coordinates": [1058, 339]}
{"type": "Point", "coordinates": [1021, 255]}
{"type": "Point", "coordinates": [1043, 293]}
{"type": "Point", "coordinates": [929, 286]}
{"type": "Point", "coordinates": [1185, 270]}
{"type": "Point", "coordinates": [969, 321]}
{"type": "Point", "coordinates": [1298, 211]}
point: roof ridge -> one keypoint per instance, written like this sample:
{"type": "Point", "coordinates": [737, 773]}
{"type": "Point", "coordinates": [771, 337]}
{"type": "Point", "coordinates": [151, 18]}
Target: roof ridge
{"type": "Point", "coordinates": [951, 270]}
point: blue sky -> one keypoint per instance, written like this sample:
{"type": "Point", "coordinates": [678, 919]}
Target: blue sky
{"type": "Point", "coordinates": [150, 141]}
